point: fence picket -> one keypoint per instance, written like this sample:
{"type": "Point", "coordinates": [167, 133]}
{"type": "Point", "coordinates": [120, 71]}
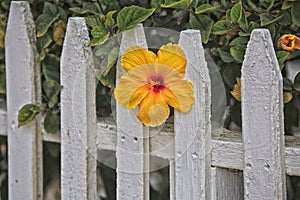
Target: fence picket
{"type": "Point", "coordinates": [262, 110]}
{"type": "Point", "coordinates": [78, 114]}
{"type": "Point", "coordinates": [193, 129]}
{"type": "Point", "coordinates": [191, 175]}
{"type": "Point", "coordinates": [22, 72]}
{"type": "Point", "coordinates": [131, 181]}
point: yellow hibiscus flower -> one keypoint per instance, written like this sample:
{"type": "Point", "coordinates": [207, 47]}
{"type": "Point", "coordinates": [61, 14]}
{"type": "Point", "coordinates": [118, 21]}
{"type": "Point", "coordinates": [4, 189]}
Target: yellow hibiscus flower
{"type": "Point", "coordinates": [154, 82]}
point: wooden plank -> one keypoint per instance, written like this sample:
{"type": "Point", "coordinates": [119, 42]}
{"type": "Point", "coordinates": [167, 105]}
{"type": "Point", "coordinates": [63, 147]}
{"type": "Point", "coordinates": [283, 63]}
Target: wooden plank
{"type": "Point", "coordinates": [262, 111]}
{"type": "Point", "coordinates": [227, 149]}
{"type": "Point", "coordinates": [78, 114]}
{"type": "Point", "coordinates": [193, 129]}
{"type": "Point", "coordinates": [292, 161]}
{"type": "Point", "coordinates": [227, 154]}
{"type": "Point", "coordinates": [130, 142]}
{"type": "Point", "coordinates": [22, 80]}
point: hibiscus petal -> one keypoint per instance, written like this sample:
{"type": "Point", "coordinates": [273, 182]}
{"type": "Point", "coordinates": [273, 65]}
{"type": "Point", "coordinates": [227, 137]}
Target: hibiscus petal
{"type": "Point", "coordinates": [125, 92]}
{"type": "Point", "coordinates": [136, 56]}
{"type": "Point", "coordinates": [153, 110]}
{"type": "Point", "coordinates": [180, 95]}
{"type": "Point", "coordinates": [172, 56]}
{"type": "Point", "coordinates": [138, 95]}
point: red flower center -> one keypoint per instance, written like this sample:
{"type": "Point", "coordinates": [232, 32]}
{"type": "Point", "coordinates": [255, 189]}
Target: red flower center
{"type": "Point", "coordinates": [156, 83]}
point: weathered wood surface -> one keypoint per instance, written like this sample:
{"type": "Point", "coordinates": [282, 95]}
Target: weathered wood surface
{"type": "Point", "coordinates": [78, 114]}
{"type": "Point", "coordinates": [262, 111]}
{"type": "Point", "coordinates": [130, 141]}
{"type": "Point", "coordinates": [193, 129]}
{"type": "Point", "coordinates": [227, 148]}
{"type": "Point", "coordinates": [22, 72]}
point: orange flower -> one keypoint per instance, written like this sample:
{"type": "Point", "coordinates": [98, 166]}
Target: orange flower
{"type": "Point", "coordinates": [154, 82]}
{"type": "Point", "coordinates": [290, 42]}
{"type": "Point", "coordinates": [236, 93]}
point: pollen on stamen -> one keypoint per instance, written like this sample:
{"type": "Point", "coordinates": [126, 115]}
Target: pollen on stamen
{"type": "Point", "coordinates": [156, 84]}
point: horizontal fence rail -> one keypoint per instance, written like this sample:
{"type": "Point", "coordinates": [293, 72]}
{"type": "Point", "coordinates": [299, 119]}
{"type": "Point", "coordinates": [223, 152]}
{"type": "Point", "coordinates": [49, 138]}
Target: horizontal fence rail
{"type": "Point", "coordinates": [227, 146]}
{"type": "Point", "coordinates": [210, 169]}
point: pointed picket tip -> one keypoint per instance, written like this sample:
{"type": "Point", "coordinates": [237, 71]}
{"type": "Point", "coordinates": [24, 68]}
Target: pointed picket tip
{"type": "Point", "coordinates": [78, 114]}
{"type": "Point", "coordinates": [132, 149]}
{"type": "Point", "coordinates": [262, 121]}
{"type": "Point", "coordinates": [22, 87]}
{"type": "Point", "coordinates": [193, 129]}
{"type": "Point", "coordinates": [260, 50]}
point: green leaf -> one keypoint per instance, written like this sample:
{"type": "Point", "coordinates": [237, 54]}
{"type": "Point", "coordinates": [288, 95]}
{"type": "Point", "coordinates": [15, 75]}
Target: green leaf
{"type": "Point", "coordinates": [295, 11]}
{"type": "Point", "coordinates": [254, 7]}
{"type": "Point", "coordinates": [297, 79]}
{"type": "Point", "coordinates": [50, 67]}
{"type": "Point", "coordinates": [238, 52]}
{"type": "Point", "coordinates": [236, 12]}
{"type": "Point", "coordinates": [239, 40]}
{"type": "Point", "coordinates": [51, 89]}
{"type": "Point", "coordinates": [281, 57]}
{"type": "Point", "coordinates": [100, 35]}
{"type": "Point", "coordinates": [41, 56]}
{"type": "Point", "coordinates": [49, 9]}
{"type": "Point", "coordinates": [109, 21]}
{"type": "Point", "coordinates": [62, 14]}
{"type": "Point", "coordinates": [194, 3]}
{"type": "Point", "coordinates": [297, 87]}
{"type": "Point", "coordinates": [272, 30]}
{"type": "Point", "coordinates": [225, 55]}
{"type": "Point", "coordinates": [27, 114]}
{"type": "Point", "coordinates": [287, 84]}
{"type": "Point", "coordinates": [228, 15]}
{"type": "Point", "coordinates": [268, 4]}
{"type": "Point", "coordinates": [111, 60]}
{"type": "Point", "coordinates": [181, 4]}
{"type": "Point", "coordinates": [87, 8]}
{"type": "Point", "coordinates": [253, 25]}
{"type": "Point", "coordinates": [108, 80]}
{"type": "Point", "coordinates": [2, 35]}
{"type": "Point", "coordinates": [286, 19]}
{"type": "Point", "coordinates": [205, 26]}
{"type": "Point", "coordinates": [286, 5]}
{"type": "Point", "coordinates": [266, 19]}
{"type": "Point", "coordinates": [156, 4]}
{"type": "Point", "coordinates": [297, 82]}
{"type": "Point", "coordinates": [94, 20]}
{"type": "Point", "coordinates": [206, 8]}
{"type": "Point", "coordinates": [43, 22]}
{"type": "Point", "coordinates": [2, 83]}
{"type": "Point", "coordinates": [104, 49]}
{"type": "Point", "coordinates": [52, 123]}
{"type": "Point", "coordinates": [130, 17]}
{"type": "Point", "coordinates": [43, 42]}
{"type": "Point", "coordinates": [222, 27]}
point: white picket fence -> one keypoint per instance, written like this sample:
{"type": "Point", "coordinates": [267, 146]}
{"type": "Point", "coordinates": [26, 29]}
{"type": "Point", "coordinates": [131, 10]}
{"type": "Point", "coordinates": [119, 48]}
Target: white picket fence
{"type": "Point", "coordinates": [227, 165]}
